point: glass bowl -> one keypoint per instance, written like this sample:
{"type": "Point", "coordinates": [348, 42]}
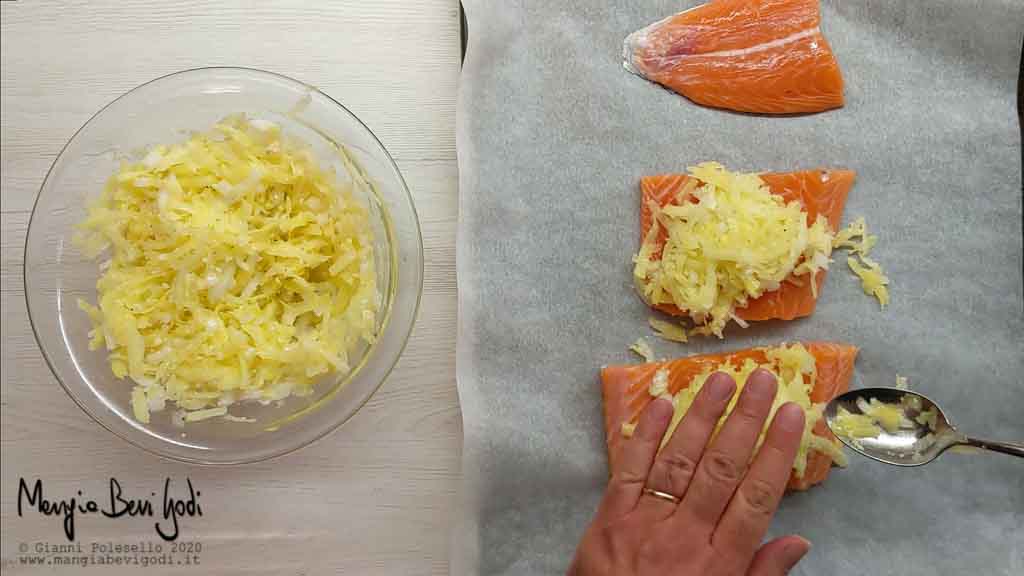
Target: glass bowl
{"type": "Point", "coordinates": [164, 111]}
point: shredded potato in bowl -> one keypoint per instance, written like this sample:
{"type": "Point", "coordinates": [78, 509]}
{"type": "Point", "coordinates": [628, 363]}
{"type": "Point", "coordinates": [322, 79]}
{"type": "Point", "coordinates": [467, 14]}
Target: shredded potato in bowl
{"type": "Point", "coordinates": [239, 268]}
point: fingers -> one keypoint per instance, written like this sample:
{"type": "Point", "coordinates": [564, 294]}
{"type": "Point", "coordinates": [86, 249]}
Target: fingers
{"type": "Point", "coordinates": [725, 462]}
{"type": "Point", "coordinates": [778, 557]}
{"type": "Point", "coordinates": [750, 511]}
{"type": "Point", "coordinates": [636, 457]}
{"type": "Point", "coordinates": [675, 465]}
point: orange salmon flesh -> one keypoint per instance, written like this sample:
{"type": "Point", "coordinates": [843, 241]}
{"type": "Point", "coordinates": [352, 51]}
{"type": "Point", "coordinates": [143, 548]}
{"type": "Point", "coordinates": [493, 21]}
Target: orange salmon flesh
{"type": "Point", "coordinates": [758, 56]}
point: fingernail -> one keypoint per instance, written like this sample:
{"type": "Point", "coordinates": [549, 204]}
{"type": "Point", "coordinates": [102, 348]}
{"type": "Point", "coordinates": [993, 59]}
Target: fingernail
{"type": "Point", "coordinates": [795, 551]}
{"type": "Point", "coordinates": [760, 384]}
{"type": "Point", "coordinates": [790, 417]}
{"type": "Point", "coordinates": [720, 386]}
{"type": "Point", "coordinates": [655, 418]}
{"type": "Point", "coordinates": [664, 407]}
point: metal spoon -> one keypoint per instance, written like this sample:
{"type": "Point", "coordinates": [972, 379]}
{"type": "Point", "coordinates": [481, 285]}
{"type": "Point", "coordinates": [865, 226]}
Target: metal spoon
{"type": "Point", "coordinates": [913, 445]}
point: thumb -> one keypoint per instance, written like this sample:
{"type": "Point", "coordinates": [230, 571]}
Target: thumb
{"type": "Point", "coordinates": [778, 557]}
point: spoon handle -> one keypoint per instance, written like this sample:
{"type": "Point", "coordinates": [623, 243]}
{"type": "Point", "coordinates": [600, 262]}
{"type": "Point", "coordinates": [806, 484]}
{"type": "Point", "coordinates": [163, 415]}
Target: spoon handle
{"type": "Point", "coordinates": [1011, 448]}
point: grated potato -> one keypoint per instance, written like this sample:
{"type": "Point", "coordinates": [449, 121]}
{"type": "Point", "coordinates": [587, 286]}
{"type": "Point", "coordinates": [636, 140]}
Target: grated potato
{"type": "Point", "coordinates": [239, 269]}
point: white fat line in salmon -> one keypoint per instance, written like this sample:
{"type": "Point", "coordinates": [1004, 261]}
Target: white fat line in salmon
{"type": "Point", "coordinates": [638, 37]}
{"type": "Point", "coordinates": [761, 47]}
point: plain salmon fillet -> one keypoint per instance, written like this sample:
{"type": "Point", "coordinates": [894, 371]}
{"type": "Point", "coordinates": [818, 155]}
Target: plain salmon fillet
{"type": "Point", "coordinates": [625, 393]}
{"type": "Point", "coordinates": [760, 56]}
{"type": "Point", "coordinates": [819, 191]}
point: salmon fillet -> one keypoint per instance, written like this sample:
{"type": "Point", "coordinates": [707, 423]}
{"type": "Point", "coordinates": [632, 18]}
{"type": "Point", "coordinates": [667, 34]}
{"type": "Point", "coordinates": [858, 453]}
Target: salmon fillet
{"type": "Point", "coordinates": [819, 191]}
{"type": "Point", "coordinates": [760, 56]}
{"type": "Point", "coordinates": [624, 391]}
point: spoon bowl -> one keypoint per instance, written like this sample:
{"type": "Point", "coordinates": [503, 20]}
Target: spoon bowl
{"type": "Point", "coordinates": [916, 441]}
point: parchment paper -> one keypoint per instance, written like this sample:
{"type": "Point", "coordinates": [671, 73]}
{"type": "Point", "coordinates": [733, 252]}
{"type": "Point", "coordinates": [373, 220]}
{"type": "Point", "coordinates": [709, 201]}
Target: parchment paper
{"type": "Point", "coordinates": [553, 137]}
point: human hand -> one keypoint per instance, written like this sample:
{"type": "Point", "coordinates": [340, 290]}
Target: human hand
{"type": "Point", "coordinates": [694, 509]}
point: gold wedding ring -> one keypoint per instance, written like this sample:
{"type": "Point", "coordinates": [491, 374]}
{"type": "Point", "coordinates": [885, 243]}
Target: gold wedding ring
{"type": "Point", "coordinates": [663, 495]}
